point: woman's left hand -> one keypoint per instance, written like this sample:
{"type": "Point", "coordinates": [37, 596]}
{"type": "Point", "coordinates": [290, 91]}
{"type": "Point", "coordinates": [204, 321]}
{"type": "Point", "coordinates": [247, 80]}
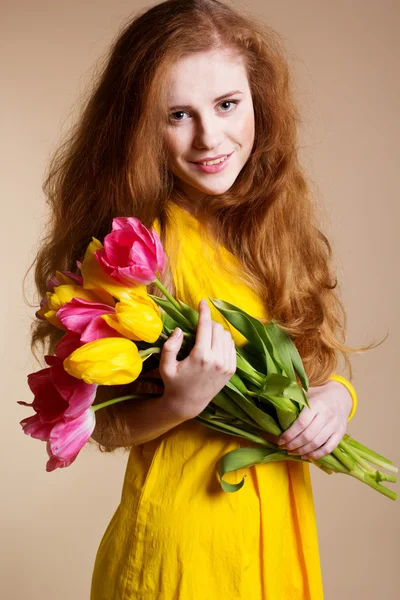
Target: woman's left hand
{"type": "Point", "coordinates": [318, 430]}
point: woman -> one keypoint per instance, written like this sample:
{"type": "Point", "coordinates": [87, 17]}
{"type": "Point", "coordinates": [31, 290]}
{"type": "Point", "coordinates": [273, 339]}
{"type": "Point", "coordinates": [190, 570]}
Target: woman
{"type": "Point", "coordinates": [192, 128]}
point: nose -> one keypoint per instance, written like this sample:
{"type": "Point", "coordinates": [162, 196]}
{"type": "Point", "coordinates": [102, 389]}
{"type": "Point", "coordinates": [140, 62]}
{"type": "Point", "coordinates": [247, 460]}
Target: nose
{"type": "Point", "coordinates": [208, 132]}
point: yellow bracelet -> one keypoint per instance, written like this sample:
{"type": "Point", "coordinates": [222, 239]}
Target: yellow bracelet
{"type": "Point", "coordinates": [351, 389]}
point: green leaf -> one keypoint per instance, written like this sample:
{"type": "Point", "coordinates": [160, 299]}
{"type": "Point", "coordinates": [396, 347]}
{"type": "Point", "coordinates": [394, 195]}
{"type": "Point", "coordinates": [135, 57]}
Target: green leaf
{"type": "Point", "coordinates": [275, 384]}
{"type": "Point", "coordinates": [296, 393]}
{"type": "Point", "coordinates": [169, 323]}
{"type": "Point", "coordinates": [239, 430]}
{"type": "Point", "coordinates": [244, 458]}
{"type": "Point", "coordinates": [281, 339]}
{"type": "Point", "coordinates": [246, 371]}
{"type": "Point", "coordinates": [190, 313]}
{"type": "Point", "coordinates": [264, 420]}
{"type": "Point", "coordinates": [286, 418]}
{"type": "Point", "coordinates": [222, 400]}
{"type": "Point", "coordinates": [252, 356]}
{"type": "Point", "coordinates": [252, 329]}
{"type": "Point", "coordinates": [280, 403]}
{"type": "Point", "coordinates": [173, 312]}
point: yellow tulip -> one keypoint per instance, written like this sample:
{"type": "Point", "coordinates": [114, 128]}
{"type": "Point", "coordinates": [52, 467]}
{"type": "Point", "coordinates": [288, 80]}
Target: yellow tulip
{"type": "Point", "coordinates": [45, 312]}
{"type": "Point", "coordinates": [137, 319]}
{"type": "Point", "coordinates": [107, 361]}
{"type": "Point", "coordinates": [94, 277]}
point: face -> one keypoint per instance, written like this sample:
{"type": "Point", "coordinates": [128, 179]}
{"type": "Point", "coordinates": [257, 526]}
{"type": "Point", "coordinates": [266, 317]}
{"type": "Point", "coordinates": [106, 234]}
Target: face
{"type": "Point", "coordinates": [210, 118]}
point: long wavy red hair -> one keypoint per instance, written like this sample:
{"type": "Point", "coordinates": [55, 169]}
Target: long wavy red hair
{"type": "Point", "coordinates": [113, 164]}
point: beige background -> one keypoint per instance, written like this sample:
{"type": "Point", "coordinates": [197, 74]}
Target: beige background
{"type": "Point", "coordinates": [346, 62]}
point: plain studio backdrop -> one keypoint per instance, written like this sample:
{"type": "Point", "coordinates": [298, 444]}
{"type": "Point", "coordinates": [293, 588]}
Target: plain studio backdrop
{"type": "Point", "coordinates": [345, 59]}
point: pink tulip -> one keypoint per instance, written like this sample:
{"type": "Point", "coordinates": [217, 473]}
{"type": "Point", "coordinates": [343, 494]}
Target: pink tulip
{"type": "Point", "coordinates": [85, 318]}
{"type": "Point", "coordinates": [68, 343]}
{"type": "Point", "coordinates": [67, 439]}
{"type": "Point", "coordinates": [57, 395]}
{"type": "Point", "coordinates": [132, 255]}
{"type": "Point", "coordinates": [34, 427]}
{"type": "Point", "coordinates": [64, 418]}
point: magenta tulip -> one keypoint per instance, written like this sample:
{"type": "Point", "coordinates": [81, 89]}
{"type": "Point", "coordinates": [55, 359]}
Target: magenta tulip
{"type": "Point", "coordinates": [57, 394]}
{"type": "Point", "coordinates": [67, 439]}
{"type": "Point", "coordinates": [62, 403]}
{"type": "Point", "coordinates": [132, 255]}
{"type": "Point", "coordinates": [85, 318]}
{"type": "Point", "coordinates": [68, 343]}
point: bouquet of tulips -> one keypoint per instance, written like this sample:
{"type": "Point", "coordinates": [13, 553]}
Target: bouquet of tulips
{"type": "Point", "coordinates": [112, 325]}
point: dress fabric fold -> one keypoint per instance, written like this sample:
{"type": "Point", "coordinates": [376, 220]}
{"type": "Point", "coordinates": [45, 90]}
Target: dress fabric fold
{"type": "Point", "coordinates": [176, 535]}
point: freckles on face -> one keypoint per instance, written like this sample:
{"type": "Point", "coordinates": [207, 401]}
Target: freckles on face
{"type": "Point", "coordinates": [209, 117]}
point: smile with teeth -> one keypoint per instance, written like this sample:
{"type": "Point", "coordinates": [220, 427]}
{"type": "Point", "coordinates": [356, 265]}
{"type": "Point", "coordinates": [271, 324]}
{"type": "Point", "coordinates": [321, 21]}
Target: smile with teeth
{"type": "Point", "coordinates": [216, 161]}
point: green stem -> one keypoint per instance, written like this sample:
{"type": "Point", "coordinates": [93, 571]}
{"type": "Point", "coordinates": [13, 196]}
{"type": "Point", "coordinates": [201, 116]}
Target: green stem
{"type": "Point", "coordinates": [370, 455]}
{"type": "Point", "coordinates": [344, 458]}
{"type": "Point", "coordinates": [331, 462]}
{"type": "Point", "coordinates": [166, 293]}
{"type": "Point", "coordinates": [122, 399]}
{"type": "Point", "coordinates": [369, 480]}
{"type": "Point", "coordinates": [383, 477]}
{"type": "Point", "coordinates": [357, 457]}
{"type": "Point", "coordinates": [237, 431]}
{"type": "Point", "coordinates": [148, 351]}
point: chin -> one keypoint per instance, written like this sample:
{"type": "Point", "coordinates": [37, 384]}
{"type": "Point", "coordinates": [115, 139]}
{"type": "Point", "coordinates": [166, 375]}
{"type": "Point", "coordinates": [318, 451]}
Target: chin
{"type": "Point", "coordinates": [214, 189]}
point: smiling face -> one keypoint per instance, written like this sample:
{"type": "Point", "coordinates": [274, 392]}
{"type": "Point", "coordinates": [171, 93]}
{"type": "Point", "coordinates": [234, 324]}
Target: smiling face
{"type": "Point", "coordinates": [210, 114]}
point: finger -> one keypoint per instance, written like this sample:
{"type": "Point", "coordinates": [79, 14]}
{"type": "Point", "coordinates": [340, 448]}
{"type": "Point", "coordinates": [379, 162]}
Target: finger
{"type": "Point", "coordinates": [312, 440]}
{"type": "Point", "coordinates": [227, 343]}
{"type": "Point", "coordinates": [204, 327]}
{"type": "Point", "coordinates": [303, 420]}
{"type": "Point", "coordinates": [217, 341]}
{"type": "Point", "coordinates": [331, 443]}
{"type": "Point", "coordinates": [307, 435]}
{"type": "Point", "coordinates": [233, 357]}
{"type": "Point", "coordinates": [171, 347]}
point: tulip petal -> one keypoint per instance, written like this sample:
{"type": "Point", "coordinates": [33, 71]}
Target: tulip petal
{"type": "Point", "coordinates": [77, 314]}
{"type": "Point", "coordinates": [108, 361]}
{"type": "Point", "coordinates": [68, 437]}
{"type": "Point", "coordinates": [137, 319]}
{"type": "Point", "coordinates": [95, 277]}
{"type": "Point", "coordinates": [78, 394]}
{"type": "Point", "coordinates": [131, 253]}
{"type": "Point", "coordinates": [56, 463]}
{"type": "Point", "coordinates": [34, 427]}
{"type": "Point", "coordinates": [98, 328]}
{"type": "Point", "coordinates": [70, 342]}
{"type": "Point", "coordinates": [47, 402]}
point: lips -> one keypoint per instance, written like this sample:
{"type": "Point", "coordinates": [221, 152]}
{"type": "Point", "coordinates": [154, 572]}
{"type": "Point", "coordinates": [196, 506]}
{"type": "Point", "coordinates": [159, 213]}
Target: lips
{"type": "Point", "coordinates": [208, 158]}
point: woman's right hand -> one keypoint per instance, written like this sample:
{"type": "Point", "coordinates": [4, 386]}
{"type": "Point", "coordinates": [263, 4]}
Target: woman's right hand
{"type": "Point", "coordinates": [190, 384]}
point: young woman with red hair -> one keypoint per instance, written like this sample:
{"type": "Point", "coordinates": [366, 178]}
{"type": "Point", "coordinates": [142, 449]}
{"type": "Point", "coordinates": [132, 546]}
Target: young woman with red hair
{"type": "Point", "coordinates": [192, 128]}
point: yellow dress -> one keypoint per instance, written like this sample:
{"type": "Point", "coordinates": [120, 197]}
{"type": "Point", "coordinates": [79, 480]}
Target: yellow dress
{"type": "Point", "coordinates": [175, 534]}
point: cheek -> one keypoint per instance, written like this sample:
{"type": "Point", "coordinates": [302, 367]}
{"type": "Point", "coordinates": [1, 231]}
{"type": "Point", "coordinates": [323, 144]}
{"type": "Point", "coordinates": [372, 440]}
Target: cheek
{"type": "Point", "coordinates": [176, 143]}
{"type": "Point", "coordinates": [247, 129]}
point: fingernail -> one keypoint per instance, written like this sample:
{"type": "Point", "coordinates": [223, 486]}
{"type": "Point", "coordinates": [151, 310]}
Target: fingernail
{"type": "Point", "coordinates": [178, 332]}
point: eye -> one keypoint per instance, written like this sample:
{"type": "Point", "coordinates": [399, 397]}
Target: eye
{"type": "Point", "coordinates": [178, 112]}
{"type": "Point", "coordinates": [229, 102]}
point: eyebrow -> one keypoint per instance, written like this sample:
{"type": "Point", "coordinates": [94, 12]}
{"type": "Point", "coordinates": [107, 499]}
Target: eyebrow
{"type": "Point", "coordinates": [187, 106]}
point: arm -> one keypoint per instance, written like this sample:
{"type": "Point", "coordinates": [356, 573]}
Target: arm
{"type": "Point", "coordinates": [132, 422]}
